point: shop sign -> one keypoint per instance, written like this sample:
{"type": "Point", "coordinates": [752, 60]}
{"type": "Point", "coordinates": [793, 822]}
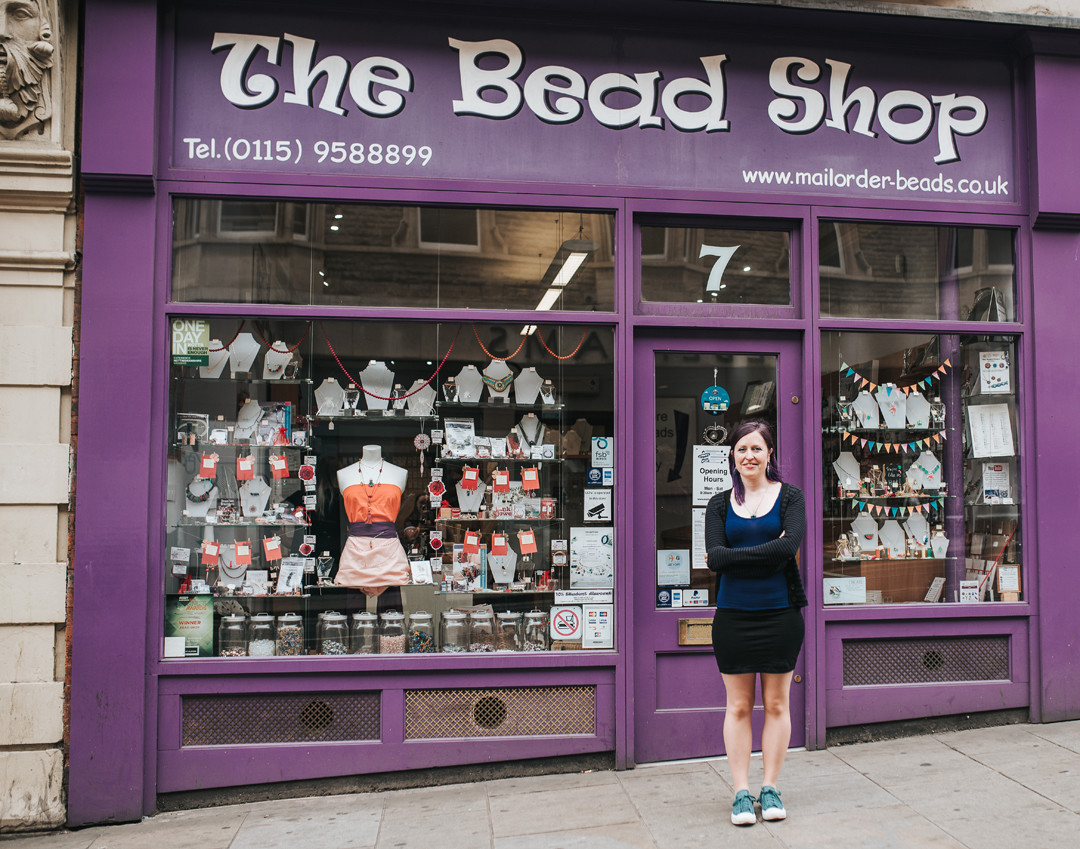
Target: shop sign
{"type": "Point", "coordinates": [450, 98]}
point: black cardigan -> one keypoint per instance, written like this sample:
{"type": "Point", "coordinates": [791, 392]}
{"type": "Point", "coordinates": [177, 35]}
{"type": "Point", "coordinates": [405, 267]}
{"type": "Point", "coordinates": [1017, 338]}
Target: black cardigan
{"type": "Point", "coordinates": [759, 561]}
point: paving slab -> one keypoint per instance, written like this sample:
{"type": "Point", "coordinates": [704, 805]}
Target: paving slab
{"type": "Point", "coordinates": [535, 783]}
{"type": "Point", "coordinates": [80, 839]}
{"type": "Point", "coordinates": [813, 795]}
{"type": "Point", "coordinates": [674, 785]}
{"type": "Point", "coordinates": [340, 822]}
{"type": "Point", "coordinates": [622, 836]}
{"type": "Point", "coordinates": [401, 831]}
{"type": "Point", "coordinates": [1065, 734]}
{"type": "Point", "coordinates": [1017, 828]}
{"type": "Point", "coordinates": [892, 827]}
{"type": "Point", "coordinates": [208, 828]}
{"type": "Point", "coordinates": [561, 810]}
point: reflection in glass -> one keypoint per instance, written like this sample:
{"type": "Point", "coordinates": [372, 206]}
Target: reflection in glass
{"type": "Point", "coordinates": [870, 269]}
{"type": "Point", "coordinates": [715, 265]}
{"type": "Point", "coordinates": [355, 254]}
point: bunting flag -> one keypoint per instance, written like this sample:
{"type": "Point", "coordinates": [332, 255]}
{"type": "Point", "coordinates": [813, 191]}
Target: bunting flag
{"type": "Point", "coordinates": [865, 505]}
{"type": "Point", "coordinates": [926, 382]}
{"type": "Point", "coordinates": [895, 447]}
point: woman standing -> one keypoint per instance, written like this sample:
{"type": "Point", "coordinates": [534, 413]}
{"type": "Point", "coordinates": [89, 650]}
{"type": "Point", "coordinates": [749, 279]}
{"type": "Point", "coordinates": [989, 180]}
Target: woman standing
{"type": "Point", "coordinates": [752, 534]}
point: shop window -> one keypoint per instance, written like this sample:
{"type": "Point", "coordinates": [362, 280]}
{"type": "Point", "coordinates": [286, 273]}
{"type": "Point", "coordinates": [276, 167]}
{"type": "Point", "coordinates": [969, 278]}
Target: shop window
{"type": "Point", "coordinates": [922, 487]}
{"type": "Point", "coordinates": [715, 265]}
{"type": "Point", "coordinates": [371, 255]}
{"type": "Point", "coordinates": [347, 487]}
{"type": "Point", "coordinates": [916, 271]}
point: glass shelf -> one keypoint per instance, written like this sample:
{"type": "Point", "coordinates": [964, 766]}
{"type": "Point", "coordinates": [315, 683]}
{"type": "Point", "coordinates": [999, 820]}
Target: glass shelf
{"type": "Point", "coordinates": [246, 377]}
{"type": "Point", "coordinates": [377, 415]}
{"type": "Point", "coordinates": [501, 405]}
{"type": "Point", "coordinates": [454, 460]}
{"type": "Point", "coordinates": [492, 519]}
{"type": "Point", "coordinates": [189, 524]}
{"type": "Point", "coordinates": [205, 447]}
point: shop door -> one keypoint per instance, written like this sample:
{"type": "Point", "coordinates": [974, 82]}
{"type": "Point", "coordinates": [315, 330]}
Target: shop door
{"type": "Point", "coordinates": [678, 692]}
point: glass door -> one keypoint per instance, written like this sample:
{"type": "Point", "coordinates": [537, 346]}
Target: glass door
{"type": "Point", "coordinates": [696, 391]}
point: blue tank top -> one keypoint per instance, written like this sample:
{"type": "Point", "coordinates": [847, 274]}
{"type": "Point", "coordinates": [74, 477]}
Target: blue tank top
{"type": "Point", "coordinates": [753, 593]}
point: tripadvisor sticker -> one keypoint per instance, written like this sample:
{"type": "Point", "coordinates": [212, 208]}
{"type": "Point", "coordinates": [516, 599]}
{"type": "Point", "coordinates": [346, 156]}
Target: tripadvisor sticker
{"type": "Point", "coordinates": [190, 342]}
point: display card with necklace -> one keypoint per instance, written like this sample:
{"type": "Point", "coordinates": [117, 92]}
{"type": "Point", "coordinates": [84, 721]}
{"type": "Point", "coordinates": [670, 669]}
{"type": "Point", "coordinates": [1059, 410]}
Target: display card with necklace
{"type": "Point", "coordinates": [228, 569]}
{"type": "Point", "coordinates": [200, 496]}
{"type": "Point", "coordinates": [498, 377]}
{"type": "Point", "coordinates": [254, 496]}
{"type": "Point", "coordinates": [531, 431]}
{"type": "Point", "coordinates": [217, 358]}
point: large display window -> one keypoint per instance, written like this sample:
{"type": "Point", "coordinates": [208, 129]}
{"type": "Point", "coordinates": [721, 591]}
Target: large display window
{"type": "Point", "coordinates": [922, 468]}
{"type": "Point", "coordinates": [350, 487]}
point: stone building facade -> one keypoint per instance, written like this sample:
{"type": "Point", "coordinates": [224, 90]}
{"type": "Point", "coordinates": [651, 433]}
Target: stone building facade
{"type": "Point", "coordinates": [38, 314]}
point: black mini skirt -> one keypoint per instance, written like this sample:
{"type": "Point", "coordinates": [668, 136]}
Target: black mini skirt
{"type": "Point", "coordinates": [757, 640]}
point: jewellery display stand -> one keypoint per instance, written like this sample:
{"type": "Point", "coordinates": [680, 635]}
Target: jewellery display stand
{"type": "Point", "coordinates": [470, 385]}
{"type": "Point", "coordinates": [330, 396]}
{"type": "Point", "coordinates": [499, 380]}
{"type": "Point", "coordinates": [218, 357]}
{"type": "Point", "coordinates": [527, 386]}
{"type": "Point", "coordinates": [275, 362]}
{"type": "Point", "coordinates": [377, 380]}
{"type": "Point", "coordinates": [242, 353]}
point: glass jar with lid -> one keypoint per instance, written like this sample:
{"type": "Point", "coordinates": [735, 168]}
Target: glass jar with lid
{"type": "Point", "coordinates": [481, 631]}
{"type": "Point", "coordinates": [333, 634]}
{"type": "Point", "coordinates": [421, 636]}
{"type": "Point", "coordinates": [261, 640]}
{"type": "Point", "coordinates": [509, 632]}
{"type": "Point", "coordinates": [392, 632]}
{"type": "Point", "coordinates": [535, 637]}
{"type": "Point", "coordinates": [290, 635]}
{"type": "Point", "coordinates": [365, 633]}
{"type": "Point", "coordinates": [232, 636]}
{"type": "Point", "coordinates": [455, 632]}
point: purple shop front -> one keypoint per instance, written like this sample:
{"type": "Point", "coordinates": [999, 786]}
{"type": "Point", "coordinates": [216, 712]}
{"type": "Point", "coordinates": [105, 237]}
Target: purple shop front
{"type": "Point", "coordinates": [531, 272]}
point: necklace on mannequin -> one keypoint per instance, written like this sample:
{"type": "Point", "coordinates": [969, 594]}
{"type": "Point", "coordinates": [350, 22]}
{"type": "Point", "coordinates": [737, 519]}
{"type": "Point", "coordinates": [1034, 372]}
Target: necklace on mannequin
{"type": "Point", "coordinates": [369, 472]}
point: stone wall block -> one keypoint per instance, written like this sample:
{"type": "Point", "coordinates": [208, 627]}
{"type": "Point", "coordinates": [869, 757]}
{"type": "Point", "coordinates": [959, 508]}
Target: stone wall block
{"type": "Point", "coordinates": [30, 414]}
{"type": "Point", "coordinates": [27, 653]}
{"type": "Point", "coordinates": [33, 593]}
{"type": "Point", "coordinates": [35, 356]}
{"type": "Point", "coordinates": [33, 713]}
{"type": "Point", "coordinates": [31, 790]}
{"type": "Point", "coordinates": [28, 534]}
{"type": "Point", "coordinates": [34, 474]}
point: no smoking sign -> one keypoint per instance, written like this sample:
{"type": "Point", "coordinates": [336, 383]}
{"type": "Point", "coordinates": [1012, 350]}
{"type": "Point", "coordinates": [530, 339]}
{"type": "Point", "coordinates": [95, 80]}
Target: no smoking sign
{"type": "Point", "coordinates": [566, 623]}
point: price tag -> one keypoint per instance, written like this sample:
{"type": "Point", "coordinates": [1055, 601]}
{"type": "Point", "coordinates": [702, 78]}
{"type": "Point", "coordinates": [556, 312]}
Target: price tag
{"type": "Point", "coordinates": [179, 569]}
{"type": "Point", "coordinates": [311, 501]}
{"type": "Point", "coordinates": [501, 480]}
{"type": "Point", "coordinates": [470, 478]}
{"type": "Point", "coordinates": [208, 466]}
{"type": "Point", "coordinates": [527, 542]}
{"type": "Point", "coordinates": [436, 436]}
{"type": "Point", "coordinates": [530, 479]}
{"type": "Point", "coordinates": [472, 542]}
{"type": "Point", "coordinates": [272, 548]}
{"type": "Point", "coordinates": [210, 552]}
{"type": "Point", "coordinates": [243, 553]}
{"type": "Point", "coordinates": [180, 555]}
{"type": "Point", "coordinates": [279, 466]}
{"type": "Point", "coordinates": [435, 540]}
{"type": "Point", "coordinates": [498, 544]}
{"type": "Point", "coordinates": [245, 468]}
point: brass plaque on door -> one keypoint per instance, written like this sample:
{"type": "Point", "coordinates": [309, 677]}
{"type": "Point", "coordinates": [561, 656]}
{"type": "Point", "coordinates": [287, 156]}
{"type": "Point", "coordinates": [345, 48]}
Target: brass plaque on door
{"type": "Point", "coordinates": [695, 632]}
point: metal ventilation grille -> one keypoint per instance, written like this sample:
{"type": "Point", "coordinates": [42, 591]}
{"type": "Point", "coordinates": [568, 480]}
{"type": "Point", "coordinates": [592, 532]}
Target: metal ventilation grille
{"type": "Point", "coordinates": [502, 712]}
{"type": "Point", "coordinates": [280, 718]}
{"type": "Point", "coordinates": [925, 661]}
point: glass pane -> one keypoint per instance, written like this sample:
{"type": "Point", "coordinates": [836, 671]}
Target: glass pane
{"type": "Point", "coordinates": [872, 269]}
{"type": "Point", "coordinates": [305, 476]}
{"type": "Point", "coordinates": [748, 381]}
{"type": "Point", "coordinates": [921, 489]}
{"type": "Point", "coordinates": [352, 254]}
{"type": "Point", "coordinates": [715, 265]}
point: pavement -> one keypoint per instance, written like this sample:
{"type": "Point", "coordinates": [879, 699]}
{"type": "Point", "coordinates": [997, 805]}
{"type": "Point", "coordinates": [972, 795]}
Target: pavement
{"type": "Point", "coordinates": [1008, 787]}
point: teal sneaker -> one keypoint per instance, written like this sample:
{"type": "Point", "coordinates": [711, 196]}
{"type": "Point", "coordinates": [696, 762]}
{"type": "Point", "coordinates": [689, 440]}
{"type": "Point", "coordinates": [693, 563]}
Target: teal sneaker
{"type": "Point", "coordinates": [742, 809]}
{"type": "Point", "coordinates": [772, 808]}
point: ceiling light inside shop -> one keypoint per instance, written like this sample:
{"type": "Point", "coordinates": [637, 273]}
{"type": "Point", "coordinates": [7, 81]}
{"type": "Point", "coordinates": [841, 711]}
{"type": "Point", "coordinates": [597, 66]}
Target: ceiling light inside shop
{"type": "Point", "coordinates": [528, 330]}
{"type": "Point", "coordinates": [334, 227]}
{"type": "Point", "coordinates": [746, 268]}
{"type": "Point", "coordinates": [549, 299]}
{"type": "Point", "coordinates": [571, 255]}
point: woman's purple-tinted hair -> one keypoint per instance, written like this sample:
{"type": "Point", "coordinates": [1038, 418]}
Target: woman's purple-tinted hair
{"type": "Point", "coordinates": [772, 470]}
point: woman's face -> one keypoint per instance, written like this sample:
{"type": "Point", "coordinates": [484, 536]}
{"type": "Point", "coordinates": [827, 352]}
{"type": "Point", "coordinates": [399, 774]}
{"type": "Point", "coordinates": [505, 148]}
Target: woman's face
{"type": "Point", "coordinates": [751, 456]}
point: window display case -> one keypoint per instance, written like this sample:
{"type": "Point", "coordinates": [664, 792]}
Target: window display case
{"type": "Point", "coordinates": [921, 491]}
{"type": "Point", "coordinates": [384, 476]}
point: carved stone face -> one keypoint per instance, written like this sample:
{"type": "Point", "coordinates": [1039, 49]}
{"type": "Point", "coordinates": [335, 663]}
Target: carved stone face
{"type": "Point", "coordinates": [25, 60]}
